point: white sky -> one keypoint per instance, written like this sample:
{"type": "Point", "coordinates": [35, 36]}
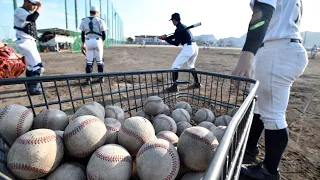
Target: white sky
{"type": "Point", "coordinates": [222, 18]}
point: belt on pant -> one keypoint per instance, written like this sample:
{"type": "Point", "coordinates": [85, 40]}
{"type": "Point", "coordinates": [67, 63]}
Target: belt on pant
{"type": "Point", "coordinates": [189, 43]}
{"type": "Point", "coordinates": [291, 40]}
{"type": "Point", "coordinates": [21, 39]}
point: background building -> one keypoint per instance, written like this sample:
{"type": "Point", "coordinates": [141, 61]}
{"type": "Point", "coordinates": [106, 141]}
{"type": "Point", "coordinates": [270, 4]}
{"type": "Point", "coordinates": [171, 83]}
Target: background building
{"type": "Point", "coordinates": [150, 39]}
{"type": "Point", "coordinates": [64, 14]}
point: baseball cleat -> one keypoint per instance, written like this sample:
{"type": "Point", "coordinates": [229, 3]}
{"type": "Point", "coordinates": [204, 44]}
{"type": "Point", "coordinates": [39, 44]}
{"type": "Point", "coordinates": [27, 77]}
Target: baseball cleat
{"type": "Point", "coordinates": [196, 85]}
{"type": "Point", "coordinates": [258, 172]}
{"type": "Point", "coordinates": [173, 89]}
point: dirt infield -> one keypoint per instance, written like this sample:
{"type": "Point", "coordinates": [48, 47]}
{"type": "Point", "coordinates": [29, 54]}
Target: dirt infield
{"type": "Point", "coordinates": [301, 159]}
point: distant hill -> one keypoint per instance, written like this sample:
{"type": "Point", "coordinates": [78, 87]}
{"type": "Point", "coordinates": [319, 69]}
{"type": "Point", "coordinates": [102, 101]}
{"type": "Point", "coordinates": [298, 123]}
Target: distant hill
{"type": "Point", "coordinates": [231, 41]}
{"type": "Point", "coordinates": [205, 37]}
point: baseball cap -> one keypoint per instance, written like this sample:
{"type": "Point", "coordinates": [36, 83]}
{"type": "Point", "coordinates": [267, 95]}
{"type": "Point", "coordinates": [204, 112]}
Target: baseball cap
{"type": "Point", "coordinates": [34, 1]}
{"type": "Point", "coordinates": [94, 9]}
{"type": "Point", "coordinates": [175, 16]}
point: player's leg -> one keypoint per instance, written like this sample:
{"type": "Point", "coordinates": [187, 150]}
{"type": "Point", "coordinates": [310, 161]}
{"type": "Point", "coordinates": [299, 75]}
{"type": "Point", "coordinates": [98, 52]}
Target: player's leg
{"type": "Point", "coordinates": [99, 57]}
{"type": "Point", "coordinates": [35, 68]}
{"type": "Point", "coordinates": [182, 58]}
{"type": "Point", "coordinates": [90, 45]}
{"type": "Point", "coordinates": [191, 65]}
{"type": "Point", "coordinates": [285, 63]}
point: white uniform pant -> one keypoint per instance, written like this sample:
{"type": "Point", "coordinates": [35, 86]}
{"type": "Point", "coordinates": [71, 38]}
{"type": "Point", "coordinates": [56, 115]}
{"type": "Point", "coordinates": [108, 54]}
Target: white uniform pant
{"type": "Point", "coordinates": [188, 54]}
{"type": "Point", "coordinates": [94, 48]}
{"type": "Point", "coordinates": [277, 65]}
{"type": "Point", "coordinates": [28, 48]}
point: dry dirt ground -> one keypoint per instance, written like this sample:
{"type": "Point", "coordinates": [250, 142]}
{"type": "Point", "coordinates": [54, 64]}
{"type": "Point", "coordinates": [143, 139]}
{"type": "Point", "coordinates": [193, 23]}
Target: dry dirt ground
{"type": "Point", "coordinates": [302, 157]}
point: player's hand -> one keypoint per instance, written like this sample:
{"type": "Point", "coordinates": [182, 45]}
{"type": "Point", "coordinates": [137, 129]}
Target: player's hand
{"type": "Point", "coordinates": [243, 67]}
{"type": "Point", "coordinates": [39, 4]}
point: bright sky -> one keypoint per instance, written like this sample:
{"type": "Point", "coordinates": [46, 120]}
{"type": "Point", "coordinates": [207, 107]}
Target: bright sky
{"type": "Point", "coordinates": [222, 18]}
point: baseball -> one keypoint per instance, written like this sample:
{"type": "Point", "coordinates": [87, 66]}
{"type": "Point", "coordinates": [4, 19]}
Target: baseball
{"type": "Point", "coordinates": [181, 126]}
{"type": "Point", "coordinates": [115, 112]}
{"type": "Point", "coordinates": [84, 135]}
{"type": "Point", "coordinates": [141, 113]}
{"type": "Point", "coordinates": [59, 133]}
{"type": "Point", "coordinates": [53, 119]}
{"type": "Point", "coordinates": [35, 154]}
{"type": "Point", "coordinates": [134, 132]}
{"type": "Point", "coordinates": [110, 162]}
{"type": "Point", "coordinates": [157, 159]}
{"type": "Point", "coordinates": [184, 105]}
{"type": "Point", "coordinates": [179, 115]}
{"type": "Point", "coordinates": [15, 120]}
{"type": "Point", "coordinates": [113, 127]}
{"type": "Point", "coordinates": [204, 114]}
{"type": "Point", "coordinates": [89, 109]}
{"type": "Point", "coordinates": [166, 110]}
{"type": "Point", "coordinates": [163, 122]}
{"type": "Point", "coordinates": [208, 125]}
{"type": "Point", "coordinates": [193, 176]}
{"type": "Point", "coordinates": [233, 111]}
{"type": "Point", "coordinates": [196, 147]}
{"type": "Point", "coordinates": [169, 136]}
{"type": "Point", "coordinates": [68, 171]}
{"type": "Point", "coordinates": [97, 105]}
{"type": "Point", "coordinates": [153, 105]}
{"type": "Point", "coordinates": [219, 131]}
{"type": "Point", "coordinates": [223, 120]}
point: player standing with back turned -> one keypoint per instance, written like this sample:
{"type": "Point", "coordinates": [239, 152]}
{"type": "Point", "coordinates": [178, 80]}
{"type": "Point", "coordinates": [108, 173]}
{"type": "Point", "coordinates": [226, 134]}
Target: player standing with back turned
{"type": "Point", "coordinates": [274, 51]}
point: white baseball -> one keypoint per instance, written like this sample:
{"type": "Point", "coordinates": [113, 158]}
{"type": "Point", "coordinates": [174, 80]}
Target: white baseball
{"type": "Point", "coordinates": [184, 105]}
{"type": "Point", "coordinates": [15, 120]}
{"type": "Point", "coordinates": [84, 135]}
{"type": "Point", "coordinates": [110, 162]}
{"type": "Point", "coordinates": [153, 105]}
{"type": "Point", "coordinates": [53, 119]}
{"type": "Point", "coordinates": [68, 171]}
{"type": "Point", "coordinates": [179, 115]}
{"type": "Point", "coordinates": [89, 109]}
{"type": "Point", "coordinates": [163, 122]}
{"type": "Point", "coordinates": [181, 126]}
{"type": "Point", "coordinates": [204, 114]}
{"type": "Point", "coordinates": [35, 154]}
{"type": "Point", "coordinates": [169, 136]}
{"type": "Point", "coordinates": [157, 159]}
{"type": "Point", "coordinates": [113, 127]}
{"type": "Point", "coordinates": [193, 176]}
{"type": "Point", "coordinates": [208, 125]}
{"type": "Point", "coordinates": [115, 112]}
{"type": "Point", "coordinates": [223, 120]}
{"type": "Point", "coordinates": [141, 113]}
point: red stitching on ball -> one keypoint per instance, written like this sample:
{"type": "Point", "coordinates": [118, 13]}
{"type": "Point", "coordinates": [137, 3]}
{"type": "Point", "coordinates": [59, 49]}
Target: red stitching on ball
{"type": "Point", "coordinates": [88, 111]}
{"type": "Point", "coordinates": [45, 118]}
{"type": "Point", "coordinates": [202, 140]}
{"type": "Point", "coordinates": [112, 128]}
{"type": "Point", "coordinates": [113, 158]}
{"type": "Point", "coordinates": [89, 176]}
{"type": "Point", "coordinates": [80, 127]}
{"type": "Point", "coordinates": [21, 121]}
{"type": "Point", "coordinates": [165, 136]}
{"type": "Point", "coordinates": [168, 120]}
{"type": "Point", "coordinates": [6, 109]}
{"type": "Point", "coordinates": [40, 140]}
{"type": "Point", "coordinates": [136, 135]}
{"type": "Point", "coordinates": [170, 151]}
{"type": "Point", "coordinates": [27, 167]}
{"type": "Point", "coordinates": [183, 113]}
{"type": "Point", "coordinates": [114, 111]}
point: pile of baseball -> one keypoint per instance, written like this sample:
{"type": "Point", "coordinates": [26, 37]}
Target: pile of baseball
{"type": "Point", "coordinates": [100, 143]}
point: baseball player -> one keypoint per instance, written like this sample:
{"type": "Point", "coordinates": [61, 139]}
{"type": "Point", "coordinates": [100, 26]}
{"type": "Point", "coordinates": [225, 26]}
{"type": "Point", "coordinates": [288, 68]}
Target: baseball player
{"type": "Point", "coordinates": [143, 43]}
{"type": "Point", "coordinates": [314, 51]}
{"type": "Point", "coordinates": [274, 51]}
{"type": "Point", "coordinates": [93, 36]}
{"type": "Point", "coordinates": [26, 33]}
{"type": "Point", "coordinates": [188, 53]}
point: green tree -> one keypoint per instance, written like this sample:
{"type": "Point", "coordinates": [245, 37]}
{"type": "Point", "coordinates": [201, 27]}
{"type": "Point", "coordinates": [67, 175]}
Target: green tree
{"type": "Point", "coordinates": [129, 40]}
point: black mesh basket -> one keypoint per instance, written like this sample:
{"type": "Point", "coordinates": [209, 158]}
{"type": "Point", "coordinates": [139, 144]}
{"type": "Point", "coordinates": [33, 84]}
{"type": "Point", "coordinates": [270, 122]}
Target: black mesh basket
{"type": "Point", "coordinates": [129, 90]}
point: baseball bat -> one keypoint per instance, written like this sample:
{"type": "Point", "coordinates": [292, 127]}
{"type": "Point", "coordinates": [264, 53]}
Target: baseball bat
{"type": "Point", "coordinates": [189, 27]}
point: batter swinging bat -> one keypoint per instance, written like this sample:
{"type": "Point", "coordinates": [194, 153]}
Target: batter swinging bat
{"type": "Point", "coordinates": [189, 27]}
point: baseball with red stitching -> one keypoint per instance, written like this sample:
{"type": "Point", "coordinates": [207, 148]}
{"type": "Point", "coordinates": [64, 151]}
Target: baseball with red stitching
{"type": "Point", "coordinates": [134, 132]}
{"type": "Point", "coordinates": [163, 122]}
{"type": "Point", "coordinates": [110, 162]}
{"type": "Point", "coordinates": [223, 120]}
{"type": "Point", "coordinates": [84, 135]}
{"type": "Point", "coordinates": [113, 127]}
{"type": "Point", "coordinates": [184, 105]}
{"type": "Point", "coordinates": [153, 105]}
{"type": "Point", "coordinates": [169, 136]}
{"type": "Point", "coordinates": [35, 154]}
{"type": "Point", "coordinates": [219, 131]}
{"type": "Point", "coordinates": [89, 109]}
{"type": "Point", "coordinates": [15, 120]}
{"type": "Point", "coordinates": [196, 147]}
{"type": "Point", "coordinates": [157, 159]}
{"type": "Point", "coordinates": [68, 171]}
{"type": "Point", "coordinates": [115, 112]}
{"type": "Point", "coordinates": [181, 126]}
{"type": "Point", "coordinates": [180, 114]}
{"type": "Point", "coordinates": [53, 119]}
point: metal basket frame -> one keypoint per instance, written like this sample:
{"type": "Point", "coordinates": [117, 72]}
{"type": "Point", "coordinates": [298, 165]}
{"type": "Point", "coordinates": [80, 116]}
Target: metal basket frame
{"type": "Point", "coordinates": [228, 157]}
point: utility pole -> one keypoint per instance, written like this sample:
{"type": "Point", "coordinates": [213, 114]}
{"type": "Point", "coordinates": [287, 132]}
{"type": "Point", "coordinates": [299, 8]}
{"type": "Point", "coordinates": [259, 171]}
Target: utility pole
{"type": "Point", "coordinates": [86, 4]}
{"type": "Point", "coordinates": [14, 4]}
{"type": "Point", "coordinates": [66, 12]}
{"type": "Point", "coordinates": [100, 9]}
{"type": "Point", "coordinates": [76, 12]}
